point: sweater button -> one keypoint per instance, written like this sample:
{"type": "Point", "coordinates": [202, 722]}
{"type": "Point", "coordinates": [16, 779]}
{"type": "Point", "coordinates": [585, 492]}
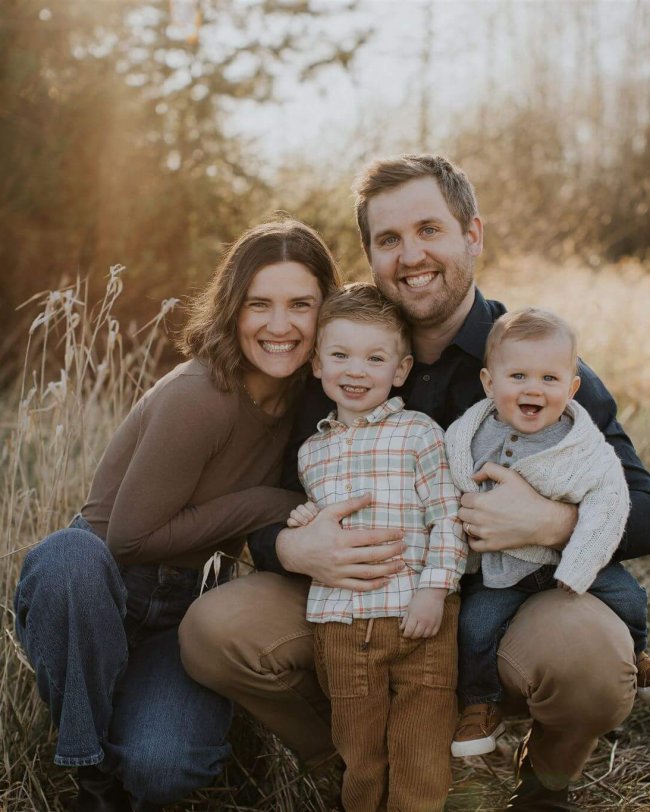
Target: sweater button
{"type": "Point", "coordinates": [509, 453]}
{"type": "Point", "coordinates": [426, 378]}
{"type": "Point", "coordinates": [513, 438]}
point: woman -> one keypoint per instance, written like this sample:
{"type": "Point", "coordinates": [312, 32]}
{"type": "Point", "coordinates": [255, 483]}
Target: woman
{"type": "Point", "coordinates": [190, 471]}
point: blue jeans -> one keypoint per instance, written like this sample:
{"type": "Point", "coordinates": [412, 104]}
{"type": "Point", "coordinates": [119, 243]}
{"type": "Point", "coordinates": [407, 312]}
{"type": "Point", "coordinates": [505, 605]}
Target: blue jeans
{"type": "Point", "coordinates": [485, 614]}
{"type": "Point", "coordinates": [103, 643]}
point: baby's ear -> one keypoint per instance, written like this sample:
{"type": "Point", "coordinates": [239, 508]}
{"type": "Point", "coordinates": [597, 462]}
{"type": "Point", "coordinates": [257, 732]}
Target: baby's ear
{"type": "Point", "coordinates": [575, 385]}
{"type": "Point", "coordinates": [486, 380]}
{"type": "Point", "coordinates": [403, 369]}
{"type": "Point", "coordinates": [316, 365]}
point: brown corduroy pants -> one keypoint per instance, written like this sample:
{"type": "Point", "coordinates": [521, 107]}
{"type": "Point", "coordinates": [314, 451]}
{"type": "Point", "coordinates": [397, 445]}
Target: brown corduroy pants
{"type": "Point", "coordinates": [566, 659]}
{"type": "Point", "coordinates": [393, 710]}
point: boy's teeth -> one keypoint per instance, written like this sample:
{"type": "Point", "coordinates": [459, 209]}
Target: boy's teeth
{"type": "Point", "coordinates": [529, 409]}
{"type": "Point", "coordinates": [357, 390]}
{"type": "Point", "coordinates": [418, 281]}
{"type": "Point", "coordinates": [272, 346]}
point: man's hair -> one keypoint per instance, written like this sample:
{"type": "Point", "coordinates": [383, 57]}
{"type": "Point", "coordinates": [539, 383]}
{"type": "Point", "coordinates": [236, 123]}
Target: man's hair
{"type": "Point", "coordinates": [531, 323]}
{"type": "Point", "coordinates": [363, 303]}
{"type": "Point", "coordinates": [211, 332]}
{"type": "Point", "coordinates": [387, 173]}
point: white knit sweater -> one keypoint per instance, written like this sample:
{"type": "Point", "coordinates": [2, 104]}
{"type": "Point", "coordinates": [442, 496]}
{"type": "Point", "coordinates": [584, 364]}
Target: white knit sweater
{"type": "Point", "coordinates": [582, 469]}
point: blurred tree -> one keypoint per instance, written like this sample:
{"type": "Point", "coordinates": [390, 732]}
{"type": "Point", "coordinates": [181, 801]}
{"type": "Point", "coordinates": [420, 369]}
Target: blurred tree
{"type": "Point", "coordinates": [114, 138]}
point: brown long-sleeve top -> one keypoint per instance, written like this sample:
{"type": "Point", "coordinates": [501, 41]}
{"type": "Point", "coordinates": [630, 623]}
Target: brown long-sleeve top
{"type": "Point", "coordinates": [189, 468]}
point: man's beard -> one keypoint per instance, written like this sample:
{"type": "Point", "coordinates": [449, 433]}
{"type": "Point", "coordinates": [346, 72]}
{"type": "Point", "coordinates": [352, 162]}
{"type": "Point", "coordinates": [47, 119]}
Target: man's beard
{"type": "Point", "coordinates": [455, 280]}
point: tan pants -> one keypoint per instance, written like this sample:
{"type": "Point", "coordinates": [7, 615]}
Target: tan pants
{"type": "Point", "coordinates": [393, 711]}
{"type": "Point", "coordinates": [566, 659]}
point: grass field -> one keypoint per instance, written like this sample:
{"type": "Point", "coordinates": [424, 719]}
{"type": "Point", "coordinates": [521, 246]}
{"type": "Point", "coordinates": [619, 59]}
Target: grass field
{"type": "Point", "coordinates": [55, 425]}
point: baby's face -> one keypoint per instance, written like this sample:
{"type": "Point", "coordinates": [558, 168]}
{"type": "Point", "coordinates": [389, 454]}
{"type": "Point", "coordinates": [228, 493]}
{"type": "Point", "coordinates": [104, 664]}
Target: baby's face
{"type": "Point", "coordinates": [531, 381]}
{"type": "Point", "coordinates": [358, 365]}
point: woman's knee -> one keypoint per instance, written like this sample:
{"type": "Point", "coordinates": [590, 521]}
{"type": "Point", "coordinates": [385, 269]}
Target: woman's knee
{"type": "Point", "coordinates": [70, 568]}
{"type": "Point", "coordinates": [67, 555]}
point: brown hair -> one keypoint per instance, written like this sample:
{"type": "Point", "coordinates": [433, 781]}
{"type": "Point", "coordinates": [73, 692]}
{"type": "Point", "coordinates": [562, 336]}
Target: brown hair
{"type": "Point", "coordinates": [362, 302]}
{"type": "Point", "coordinates": [211, 331]}
{"type": "Point", "coordinates": [529, 323]}
{"type": "Point", "coordinates": [387, 173]}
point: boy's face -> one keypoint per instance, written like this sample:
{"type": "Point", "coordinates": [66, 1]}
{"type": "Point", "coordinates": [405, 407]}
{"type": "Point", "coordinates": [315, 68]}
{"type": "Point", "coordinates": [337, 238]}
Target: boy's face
{"type": "Point", "coordinates": [531, 381]}
{"type": "Point", "coordinates": [358, 364]}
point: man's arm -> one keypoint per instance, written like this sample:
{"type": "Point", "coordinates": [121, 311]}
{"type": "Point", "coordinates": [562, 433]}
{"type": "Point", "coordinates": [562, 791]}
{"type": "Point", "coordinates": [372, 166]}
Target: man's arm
{"type": "Point", "coordinates": [514, 514]}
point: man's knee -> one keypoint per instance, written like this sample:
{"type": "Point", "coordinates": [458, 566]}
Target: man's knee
{"type": "Point", "coordinates": [569, 657]}
{"type": "Point", "coordinates": [249, 626]}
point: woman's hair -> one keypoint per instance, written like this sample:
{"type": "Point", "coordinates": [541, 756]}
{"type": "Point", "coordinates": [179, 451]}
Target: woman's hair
{"type": "Point", "coordinates": [211, 331]}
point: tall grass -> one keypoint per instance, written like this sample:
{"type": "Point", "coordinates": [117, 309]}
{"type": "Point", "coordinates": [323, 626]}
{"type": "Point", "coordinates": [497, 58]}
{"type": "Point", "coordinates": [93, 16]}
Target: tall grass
{"type": "Point", "coordinates": [82, 371]}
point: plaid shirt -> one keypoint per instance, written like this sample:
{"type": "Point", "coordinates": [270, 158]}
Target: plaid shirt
{"type": "Point", "coordinates": [399, 456]}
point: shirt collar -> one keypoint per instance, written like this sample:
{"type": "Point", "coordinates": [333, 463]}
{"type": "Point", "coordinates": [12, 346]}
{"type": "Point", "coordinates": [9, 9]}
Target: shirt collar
{"type": "Point", "coordinates": [381, 412]}
{"type": "Point", "coordinates": [474, 330]}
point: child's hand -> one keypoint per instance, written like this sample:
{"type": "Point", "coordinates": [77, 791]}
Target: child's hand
{"type": "Point", "coordinates": [302, 515]}
{"type": "Point", "coordinates": [565, 587]}
{"type": "Point", "coordinates": [424, 613]}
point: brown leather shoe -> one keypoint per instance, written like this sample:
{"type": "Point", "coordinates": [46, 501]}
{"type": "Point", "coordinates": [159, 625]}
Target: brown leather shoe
{"type": "Point", "coordinates": [530, 794]}
{"type": "Point", "coordinates": [643, 676]}
{"type": "Point", "coordinates": [477, 731]}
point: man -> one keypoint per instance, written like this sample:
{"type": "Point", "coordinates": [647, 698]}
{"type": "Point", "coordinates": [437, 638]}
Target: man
{"type": "Point", "coordinates": [568, 662]}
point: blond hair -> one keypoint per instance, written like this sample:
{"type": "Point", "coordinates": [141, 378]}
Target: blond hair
{"type": "Point", "coordinates": [211, 331]}
{"type": "Point", "coordinates": [388, 173]}
{"type": "Point", "coordinates": [531, 323]}
{"type": "Point", "coordinates": [362, 302]}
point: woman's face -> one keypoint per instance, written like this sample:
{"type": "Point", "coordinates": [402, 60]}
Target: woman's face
{"type": "Point", "coordinates": [276, 325]}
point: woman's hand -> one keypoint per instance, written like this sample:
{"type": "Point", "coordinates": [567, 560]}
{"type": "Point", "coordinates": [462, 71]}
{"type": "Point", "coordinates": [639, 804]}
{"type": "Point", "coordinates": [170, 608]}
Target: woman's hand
{"type": "Point", "coordinates": [513, 514]}
{"type": "Point", "coordinates": [424, 613]}
{"type": "Point", "coordinates": [349, 559]}
{"type": "Point", "coordinates": [302, 515]}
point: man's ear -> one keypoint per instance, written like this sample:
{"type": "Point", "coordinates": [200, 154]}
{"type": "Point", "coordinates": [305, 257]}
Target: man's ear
{"type": "Point", "coordinates": [486, 380]}
{"type": "Point", "coordinates": [474, 237]}
{"type": "Point", "coordinates": [575, 385]}
{"type": "Point", "coordinates": [402, 371]}
{"type": "Point", "coordinates": [316, 365]}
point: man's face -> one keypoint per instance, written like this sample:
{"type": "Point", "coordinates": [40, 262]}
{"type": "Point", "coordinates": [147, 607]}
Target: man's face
{"type": "Point", "coordinates": [420, 258]}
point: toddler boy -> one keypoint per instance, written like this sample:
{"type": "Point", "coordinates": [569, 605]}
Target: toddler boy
{"type": "Point", "coordinates": [386, 658]}
{"type": "Point", "coordinates": [530, 423]}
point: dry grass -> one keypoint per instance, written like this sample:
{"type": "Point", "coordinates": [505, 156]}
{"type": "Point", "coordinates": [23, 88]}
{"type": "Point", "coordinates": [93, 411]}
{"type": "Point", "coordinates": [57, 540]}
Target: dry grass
{"type": "Point", "coordinates": [58, 422]}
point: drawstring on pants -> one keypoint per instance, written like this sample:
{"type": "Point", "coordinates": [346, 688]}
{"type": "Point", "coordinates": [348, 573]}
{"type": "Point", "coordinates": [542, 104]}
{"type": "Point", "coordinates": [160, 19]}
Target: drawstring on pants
{"type": "Point", "coordinates": [366, 641]}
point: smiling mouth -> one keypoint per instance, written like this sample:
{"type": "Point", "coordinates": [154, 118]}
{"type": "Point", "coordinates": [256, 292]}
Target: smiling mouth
{"type": "Point", "coordinates": [354, 390]}
{"type": "Point", "coordinates": [529, 409]}
{"type": "Point", "coordinates": [419, 280]}
{"type": "Point", "coordinates": [277, 346]}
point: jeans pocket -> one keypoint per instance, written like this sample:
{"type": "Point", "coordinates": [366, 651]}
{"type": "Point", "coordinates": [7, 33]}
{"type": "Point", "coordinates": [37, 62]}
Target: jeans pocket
{"type": "Point", "coordinates": [342, 659]}
{"type": "Point", "coordinates": [441, 651]}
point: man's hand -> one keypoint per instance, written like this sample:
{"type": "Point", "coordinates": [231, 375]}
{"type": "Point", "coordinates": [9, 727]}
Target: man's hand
{"type": "Point", "coordinates": [350, 559]}
{"type": "Point", "coordinates": [424, 613]}
{"type": "Point", "coordinates": [302, 515]}
{"type": "Point", "coordinates": [513, 514]}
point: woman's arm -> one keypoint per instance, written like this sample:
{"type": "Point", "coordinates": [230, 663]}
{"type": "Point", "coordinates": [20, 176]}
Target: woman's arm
{"type": "Point", "coordinates": [152, 518]}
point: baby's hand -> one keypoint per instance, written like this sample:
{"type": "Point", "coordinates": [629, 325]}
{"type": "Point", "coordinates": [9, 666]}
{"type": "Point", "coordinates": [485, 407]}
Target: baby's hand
{"type": "Point", "coordinates": [565, 587]}
{"type": "Point", "coordinates": [302, 515]}
{"type": "Point", "coordinates": [424, 613]}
